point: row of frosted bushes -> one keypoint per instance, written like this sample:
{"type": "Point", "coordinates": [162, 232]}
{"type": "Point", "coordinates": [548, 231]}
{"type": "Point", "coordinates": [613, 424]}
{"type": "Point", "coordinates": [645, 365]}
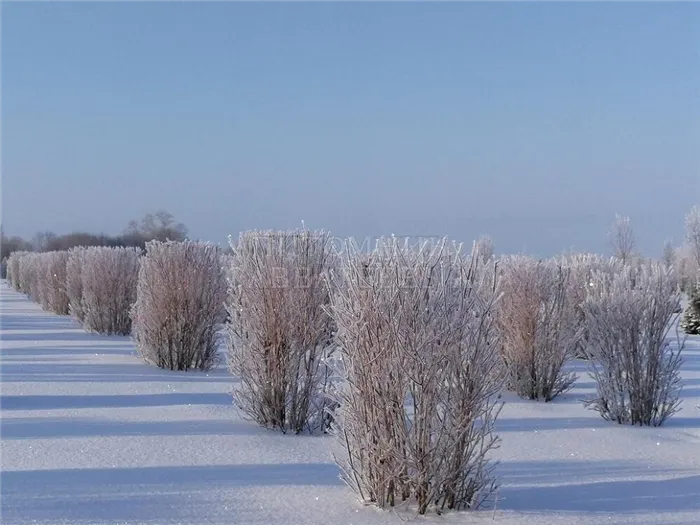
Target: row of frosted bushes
{"type": "Point", "coordinates": [401, 352]}
{"type": "Point", "coordinates": [96, 285]}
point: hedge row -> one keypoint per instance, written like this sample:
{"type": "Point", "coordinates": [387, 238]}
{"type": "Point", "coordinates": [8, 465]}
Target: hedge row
{"type": "Point", "coordinates": [400, 351]}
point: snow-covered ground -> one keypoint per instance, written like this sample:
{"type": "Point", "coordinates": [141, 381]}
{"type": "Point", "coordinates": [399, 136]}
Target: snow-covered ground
{"type": "Point", "coordinates": [92, 435]}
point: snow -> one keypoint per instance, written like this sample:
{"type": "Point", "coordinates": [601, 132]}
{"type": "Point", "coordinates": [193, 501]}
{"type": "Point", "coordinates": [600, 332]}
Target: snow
{"type": "Point", "coordinates": [91, 435]}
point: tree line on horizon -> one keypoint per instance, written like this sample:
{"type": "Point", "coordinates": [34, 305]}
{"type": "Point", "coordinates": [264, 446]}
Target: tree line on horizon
{"type": "Point", "coordinates": [160, 226]}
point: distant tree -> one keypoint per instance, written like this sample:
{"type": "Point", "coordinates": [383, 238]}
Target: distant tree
{"type": "Point", "coordinates": [159, 226]}
{"type": "Point", "coordinates": [132, 240]}
{"type": "Point", "coordinates": [11, 244]}
{"type": "Point", "coordinates": [42, 240]}
{"type": "Point", "coordinates": [622, 239]}
{"type": "Point", "coordinates": [692, 232]}
{"type": "Point", "coordinates": [668, 257]}
{"type": "Point", "coordinates": [75, 239]}
{"type": "Point", "coordinates": [485, 247]}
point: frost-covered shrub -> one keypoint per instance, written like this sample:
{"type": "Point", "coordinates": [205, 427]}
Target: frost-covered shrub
{"type": "Point", "coordinates": [109, 278]}
{"type": "Point", "coordinates": [629, 315]}
{"type": "Point", "coordinates": [582, 266]}
{"type": "Point", "coordinates": [25, 270]}
{"type": "Point", "coordinates": [687, 268]}
{"type": "Point", "coordinates": [691, 318]}
{"type": "Point", "coordinates": [279, 331]}
{"type": "Point", "coordinates": [540, 329]}
{"type": "Point", "coordinates": [53, 276]}
{"type": "Point", "coordinates": [692, 234]}
{"type": "Point", "coordinates": [8, 272]}
{"type": "Point", "coordinates": [74, 282]}
{"type": "Point", "coordinates": [40, 288]}
{"type": "Point", "coordinates": [40, 272]}
{"type": "Point", "coordinates": [227, 261]}
{"type": "Point", "coordinates": [417, 336]}
{"type": "Point", "coordinates": [45, 273]}
{"type": "Point", "coordinates": [13, 269]}
{"type": "Point", "coordinates": [29, 281]}
{"type": "Point", "coordinates": [180, 304]}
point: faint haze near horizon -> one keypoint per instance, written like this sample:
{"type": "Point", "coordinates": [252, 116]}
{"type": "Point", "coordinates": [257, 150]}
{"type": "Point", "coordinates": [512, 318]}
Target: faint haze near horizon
{"type": "Point", "coordinates": [533, 123]}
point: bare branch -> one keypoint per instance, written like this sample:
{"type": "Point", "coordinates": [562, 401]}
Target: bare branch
{"type": "Point", "coordinates": [622, 239]}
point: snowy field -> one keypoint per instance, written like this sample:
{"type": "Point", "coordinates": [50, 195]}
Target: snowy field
{"type": "Point", "coordinates": [92, 435]}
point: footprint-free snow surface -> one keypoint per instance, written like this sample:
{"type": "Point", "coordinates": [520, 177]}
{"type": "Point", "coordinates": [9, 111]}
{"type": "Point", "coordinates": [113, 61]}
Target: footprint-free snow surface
{"type": "Point", "coordinates": [90, 434]}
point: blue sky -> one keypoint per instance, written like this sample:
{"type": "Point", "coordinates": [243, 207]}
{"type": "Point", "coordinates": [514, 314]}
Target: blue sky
{"type": "Point", "coordinates": [532, 122]}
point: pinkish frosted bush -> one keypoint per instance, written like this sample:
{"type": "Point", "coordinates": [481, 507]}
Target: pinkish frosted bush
{"type": "Point", "coordinates": [180, 305]}
{"type": "Point", "coordinates": [74, 282]}
{"type": "Point", "coordinates": [280, 334]}
{"type": "Point", "coordinates": [109, 277]}
{"type": "Point", "coordinates": [418, 351]}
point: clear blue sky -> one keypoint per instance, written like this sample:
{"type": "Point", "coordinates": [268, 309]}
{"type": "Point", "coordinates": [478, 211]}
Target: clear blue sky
{"type": "Point", "coordinates": [532, 122]}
